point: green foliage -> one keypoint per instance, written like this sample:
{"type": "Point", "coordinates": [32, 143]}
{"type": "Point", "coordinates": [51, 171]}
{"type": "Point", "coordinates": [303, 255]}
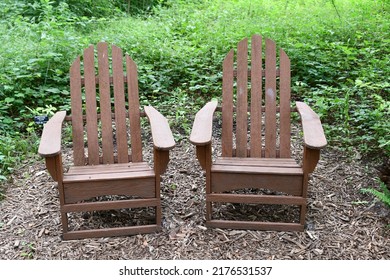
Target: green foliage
{"type": "Point", "coordinates": [35, 10]}
{"type": "Point", "coordinates": [355, 116]}
{"type": "Point", "coordinates": [383, 195]}
{"type": "Point", "coordinates": [12, 149]}
{"type": "Point", "coordinates": [180, 109]}
{"type": "Point", "coordinates": [339, 51]}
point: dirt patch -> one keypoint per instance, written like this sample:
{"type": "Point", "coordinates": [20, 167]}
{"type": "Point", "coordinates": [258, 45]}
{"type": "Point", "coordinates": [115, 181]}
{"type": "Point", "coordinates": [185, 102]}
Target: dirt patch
{"type": "Point", "coordinates": [342, 223]}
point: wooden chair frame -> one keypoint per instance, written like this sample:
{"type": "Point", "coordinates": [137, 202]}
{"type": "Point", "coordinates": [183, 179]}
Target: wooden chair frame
{"type": "Point", "coordinates": [105, 168]}
{"type": "Point", "coordinates": [259, 159]}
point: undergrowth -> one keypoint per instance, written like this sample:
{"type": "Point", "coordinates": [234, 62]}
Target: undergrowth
{"type": "Point", "coordinates": [339, 53]}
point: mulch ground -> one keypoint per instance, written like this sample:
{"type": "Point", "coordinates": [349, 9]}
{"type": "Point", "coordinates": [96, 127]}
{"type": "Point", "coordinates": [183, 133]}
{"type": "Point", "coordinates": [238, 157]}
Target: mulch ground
{"type": "Point", "coordinates": [342, 223]}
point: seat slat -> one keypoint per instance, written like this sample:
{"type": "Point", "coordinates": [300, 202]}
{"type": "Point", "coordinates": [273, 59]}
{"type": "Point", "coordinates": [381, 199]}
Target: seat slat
{"type": "Point", "coordinates": [285, 100]}
{"type": "Point", "coordinates": [105, 103]}
{"type": "Point", "coordinates": [134, 111]}
{"type": "Point", "coordinates": [120, 109]}
{"type": "Point", "coordinates": [91, 108]}
{"type": "Point", "coordinates": [108, 168]}
{"type": "Point", "coordinates": [256, 96]}
{"type": "Point", "coordinates": [276, 162]}
{"type": "Point", "coordinates": [270, 99]}
{"type": "Point", "coordinates": [227, 105]}
{"type": "Point", "coordinates": [104, 176]}
{"type": "Point", "coordinates": [242, 99]}
{"type": "Point", "coordinates": [256, 169]}
{"type": "Point", "coordinates": [77, 113]}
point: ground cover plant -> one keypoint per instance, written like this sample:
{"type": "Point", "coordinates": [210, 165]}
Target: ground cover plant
{"type": "Point", "coordinates": [339, 52]}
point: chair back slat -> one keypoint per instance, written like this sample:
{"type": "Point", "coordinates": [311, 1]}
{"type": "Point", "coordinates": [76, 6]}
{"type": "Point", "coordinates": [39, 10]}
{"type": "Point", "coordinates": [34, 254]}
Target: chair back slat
{"type": "Point", "coordinates": [91, 109]}
{"type": "Point", "coordinates": [270, 99]}
{"type": "Point", "coordinates": [77, 114]}
{"type": "Point", "coordinates": [285, 110]}
{"type": "Point", "coordinates": [242, 99]}
{"type": "Point", "coordinates": [105, 103]}
{"type": "Point", "coordinates": [120, 106]}
{"type": "Point", "coordinates": [227, 105]}
{"type": "Point", "coordinates": [134, 111]}
{"type": "Point", "coordinates": [256, 97]}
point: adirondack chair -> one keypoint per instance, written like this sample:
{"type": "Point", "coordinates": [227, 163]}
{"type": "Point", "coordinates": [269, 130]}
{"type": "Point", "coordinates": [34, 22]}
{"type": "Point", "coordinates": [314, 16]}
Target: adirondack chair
{"type": "Point", "coordinates": [105, 122]}
{"type": "Point", "coordinates": [258, 170]}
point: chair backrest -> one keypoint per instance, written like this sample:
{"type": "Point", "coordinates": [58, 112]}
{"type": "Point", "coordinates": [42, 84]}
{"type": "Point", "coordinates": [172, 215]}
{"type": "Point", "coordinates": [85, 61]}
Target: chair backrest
{"type": "Point", "coordinates": [102, 115]}
{"type": "Point", "coordinates": [268, 103]}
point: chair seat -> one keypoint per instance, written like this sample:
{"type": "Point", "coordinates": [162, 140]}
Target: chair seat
{"type": "Point", "coordinates": [278, 174]}
{"type": "Point", "coordinates": [105, 172]}
{"type": "Point", "coordinates": [85, 182]}
{"type": "Point", "coordinates": [286, 166]}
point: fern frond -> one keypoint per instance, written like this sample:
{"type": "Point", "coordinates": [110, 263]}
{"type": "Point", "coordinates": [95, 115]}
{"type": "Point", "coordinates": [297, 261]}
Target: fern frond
{"type": "Point", "coordinates": [382, 196]}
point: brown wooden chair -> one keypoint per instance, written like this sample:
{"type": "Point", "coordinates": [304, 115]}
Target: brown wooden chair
{"type": "Point", "coordinates": [105, 122]}
{"type": "Point", "coordinates": [255, 167]}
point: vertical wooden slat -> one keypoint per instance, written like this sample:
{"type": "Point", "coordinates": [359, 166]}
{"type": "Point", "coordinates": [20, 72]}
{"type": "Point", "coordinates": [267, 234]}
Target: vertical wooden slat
{"type": "Point", "coordinates": [227, 105]}
{"type": "Point", "coordinates": [120, 109]}
{"type": "Point", "coordinates": [77, 113]}
{"type": "Point", "coordinates": [207, 151]}
{"type": "Point", "coordinates": [256, 98]}
{"type": "Point", "coordinates": [105, 104]}
{"type": "Point", "coordinates": [134, 112]}
{"type": "Point", "coordinates": [90, 100]}
{"type": "Point", "coordinates": [242, 99]}
{"type": "Point", "coordinates": [270, 99]}
{"type": "Point", "coordinates": [285, 96]}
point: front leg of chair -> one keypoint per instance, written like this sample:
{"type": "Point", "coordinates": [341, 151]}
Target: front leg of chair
{"type": "Point", "coordinates": [54, 167]}
{"type": "Point", "coordinates": [310, 159]}
{"type": "Point", "coordinates": [203, 154]}
{"type": "Point", "coordinates": [161, 160]}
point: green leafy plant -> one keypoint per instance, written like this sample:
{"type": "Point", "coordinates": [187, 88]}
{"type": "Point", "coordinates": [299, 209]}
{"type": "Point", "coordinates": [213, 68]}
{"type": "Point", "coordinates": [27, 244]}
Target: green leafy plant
{"type": "Point", "coordinates": [28, 250]}
{"type": "Point", "coordinates": [338, 52]}
{"type": "Point", "coordinates": [383, 195]}
{"type": "Point", "coordinates": [48, 111]}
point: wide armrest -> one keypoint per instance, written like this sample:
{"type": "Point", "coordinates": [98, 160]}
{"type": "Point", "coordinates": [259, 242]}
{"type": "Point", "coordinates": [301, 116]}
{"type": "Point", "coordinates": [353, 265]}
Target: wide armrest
{"type": "Point", "coordinates": [50, 144]}
{"type": "Point", "coordinates": [203, 124]}
{"type": "Point", "coordinates": [161, 132]}
{"type": "Point", "coordinates": [313, 133]}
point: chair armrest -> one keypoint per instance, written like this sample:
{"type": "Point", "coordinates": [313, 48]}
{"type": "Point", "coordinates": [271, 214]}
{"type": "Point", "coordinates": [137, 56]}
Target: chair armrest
{"type": "Point", "coordinates": [203, 124]}
{"type": "Point", "coordinates": [50, 144]}
{"type": "Point", "coordinates": [313, 133]}
{"type": "Point", "coordinates": [161, 132]}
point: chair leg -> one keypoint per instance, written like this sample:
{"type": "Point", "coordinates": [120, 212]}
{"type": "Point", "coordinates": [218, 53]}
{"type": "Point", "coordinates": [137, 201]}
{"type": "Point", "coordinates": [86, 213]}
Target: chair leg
{"type": "Point", "coordinates": [207, 166]}
{"type": "Point", "coordinates": [302, 218]}
{"type": "Point", "coordinates": [158, 208]}
{"type": "Point", "coordinates": [64, 221]}
{"type": "Point", "coordinates": [158, 215]}
{"type": "Point", "coordinates": [208, 211]}
{"type": "Point", "coordinates": [304, 194]}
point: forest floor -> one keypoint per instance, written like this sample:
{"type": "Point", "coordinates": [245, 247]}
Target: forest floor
{"type": "Point", "coordinates": [341, 222]}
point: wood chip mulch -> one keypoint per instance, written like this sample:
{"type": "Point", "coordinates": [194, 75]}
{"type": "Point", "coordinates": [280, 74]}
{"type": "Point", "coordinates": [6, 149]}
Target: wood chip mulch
{"type": "Point", "coordinates": [342, 223]}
